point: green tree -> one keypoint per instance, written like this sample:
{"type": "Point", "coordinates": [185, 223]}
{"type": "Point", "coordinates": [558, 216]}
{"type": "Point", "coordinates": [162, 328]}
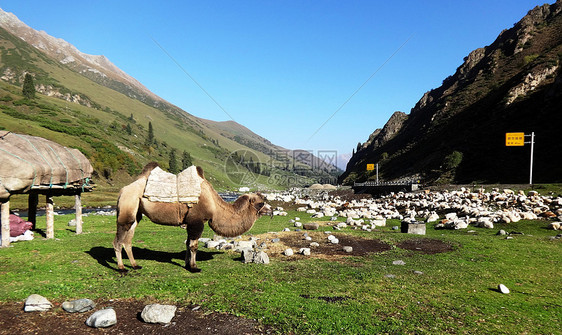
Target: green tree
{"type": "Point", "coordinates": [173, 163]}
{"type": "Point", "coordinates": [150, 138]}
{"type": "Point", "coordinates": [186, 160]}
{"type": "Point", "coordinates": [453, 160]}
{"type": "Point", "coordinates": [28, 89]}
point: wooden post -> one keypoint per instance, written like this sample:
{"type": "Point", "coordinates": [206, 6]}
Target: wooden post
{"type": "Point", "coordinates": [78, 208]}
{"type": "Point", "coordinates": [32, 203]}
{"type": "Point", "coordinates": [50, 215]}
{"type": "Point", "coordinates": [5, 212]}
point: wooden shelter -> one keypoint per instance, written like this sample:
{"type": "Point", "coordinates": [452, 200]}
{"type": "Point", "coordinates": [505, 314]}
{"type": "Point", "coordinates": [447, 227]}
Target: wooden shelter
{"type": "Point", "coordinates": [33, 165]}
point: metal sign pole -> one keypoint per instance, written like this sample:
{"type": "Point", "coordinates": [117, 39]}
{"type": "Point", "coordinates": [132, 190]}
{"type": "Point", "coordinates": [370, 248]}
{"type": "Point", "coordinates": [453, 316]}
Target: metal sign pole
{"type": "Point", "coordinates": [532, 149]}
{"type": "Point", "coordinates": [377, 173]}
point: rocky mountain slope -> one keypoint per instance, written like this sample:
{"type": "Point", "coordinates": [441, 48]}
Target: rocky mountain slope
{"type": "Point", "coordinates": [456, 132]}
{"type": "Point", "coordinates": [87, 102]}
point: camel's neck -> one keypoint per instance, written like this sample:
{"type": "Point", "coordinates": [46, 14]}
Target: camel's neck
{"type": "Point", "coordinates": [228, 221]}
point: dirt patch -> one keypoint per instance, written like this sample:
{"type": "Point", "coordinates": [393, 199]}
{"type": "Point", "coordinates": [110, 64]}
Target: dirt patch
{"type": "Point", "coordinates": [13, 320]}
{"type": "Point", "coordinates": [426, 246]}
{"type": "Point", "coordinates": [360, 246]}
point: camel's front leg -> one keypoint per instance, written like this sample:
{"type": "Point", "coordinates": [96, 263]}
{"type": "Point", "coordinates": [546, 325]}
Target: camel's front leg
{"type": "Point", "coordinates": [191, 257]}
{"type": "Point", "coordinates": [194, 231]}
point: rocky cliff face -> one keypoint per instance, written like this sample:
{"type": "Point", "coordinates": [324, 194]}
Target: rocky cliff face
{"type": "Point", "coordinates": [511, 85]}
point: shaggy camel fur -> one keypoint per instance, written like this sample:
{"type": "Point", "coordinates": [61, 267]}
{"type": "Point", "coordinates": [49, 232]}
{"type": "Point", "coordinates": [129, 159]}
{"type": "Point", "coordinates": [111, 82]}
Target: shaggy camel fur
{"type": "Point", "coordinates": [225, 219]}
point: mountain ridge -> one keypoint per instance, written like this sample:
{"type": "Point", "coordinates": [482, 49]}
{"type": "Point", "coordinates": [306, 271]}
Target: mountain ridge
{"type": "Point", "coordinates": [510, 85]}
{"type": "Point", "coordinates": [116, 115]}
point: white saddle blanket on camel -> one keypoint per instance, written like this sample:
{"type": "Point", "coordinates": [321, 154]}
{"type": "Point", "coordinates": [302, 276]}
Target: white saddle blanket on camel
{"type": "Point", "coordinates": [163, 186]}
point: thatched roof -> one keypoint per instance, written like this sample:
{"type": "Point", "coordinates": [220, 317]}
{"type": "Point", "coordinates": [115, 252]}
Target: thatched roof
{"type": "Point", "coordinates": [33, 163]}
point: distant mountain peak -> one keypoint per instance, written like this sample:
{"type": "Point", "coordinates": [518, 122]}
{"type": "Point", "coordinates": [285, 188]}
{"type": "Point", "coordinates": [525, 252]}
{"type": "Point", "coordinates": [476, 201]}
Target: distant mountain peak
{"type": "Point", "coordinates": [96, 67]}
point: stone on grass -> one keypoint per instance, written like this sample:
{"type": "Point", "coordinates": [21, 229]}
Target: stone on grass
{"type": "Point", "coordinates": [348, 249]}
{"type": "Point", "coordinates": [288, 252]}
{"type": "Point", "coordinates": [275, 240]}
{"type": "Point", "coordinates": [311, 226]}
{"type": "Point", "coordinates": [399, 262]}
{"type": "Point", "coordinates": [37, 303]}
{"type": "Point", "coordinates": [418, 272]}
{"type": "Point", "coordinates": [241, 245]}
{"type": "Point", "coordinates": [413, 228]}
{"type": "Point", "coordinates": [78, 306]}
{"type": "Point", "coordinates": [501, 232]}
{"type": "Point", "coordinates": [390, 276]}
{"type": "Point", "coordinates": [102, 318]}
{"type": "Point", "coordinates": [157, 313]}
{"type": "Point", "coordinates": [305, 251]}
{"type": "Point", "coordinates": [258, 257]}
{"type": "Point", "coordinates": [503, 289]}
{"type": "Point", "coordinates": [314, 244]}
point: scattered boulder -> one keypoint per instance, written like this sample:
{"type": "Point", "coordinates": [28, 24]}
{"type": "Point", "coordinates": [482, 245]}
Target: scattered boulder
{"type": "Point", "coordinates": [288, 252]}
{"type": "Point", "coordinates": [555, 225]}
{"type": "Point", "coordinates": [503, 289]}
{"type": "Point", "coordinates": [78, 306]}
{"type": "Point", "coordinates": [305, 251]}
{"type": "Point", "coordinates": [37, 303]}
{"type": "Point", "coordinates": [157, 313]}
{"type": "Point", "coordinates": [348, 249]}
{"type": "Point", "coordinates": [413, 228]}
{"type": "Point", "coordinates": [102, 319]}
{"type": "Point", "coordinates": [399, 262]}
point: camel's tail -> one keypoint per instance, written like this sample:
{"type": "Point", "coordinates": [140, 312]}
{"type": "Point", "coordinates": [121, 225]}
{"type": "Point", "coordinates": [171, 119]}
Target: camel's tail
{"type": "Point", "coordinates": [147, 169]}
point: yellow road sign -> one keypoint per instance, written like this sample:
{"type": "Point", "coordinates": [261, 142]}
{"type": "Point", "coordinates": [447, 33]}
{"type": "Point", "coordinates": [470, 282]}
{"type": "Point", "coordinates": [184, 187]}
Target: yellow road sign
{"type": "Point", "coordinates": [514, 139]}
{"type": "Point", "coordinates": [370, 167]}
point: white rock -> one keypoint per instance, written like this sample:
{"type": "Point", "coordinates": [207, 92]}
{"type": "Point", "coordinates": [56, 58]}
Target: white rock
{"type": "Point", "coordinates": [305, 251]}
{"type": "Point", "coordinates": [503, 289]}
{"type": "Point", "coordinates": [37, 303]}
{"type": "Point", "coordinates": [157, 313]}
{"type": "Point", "coordinates": [102, 318]}
{"type": "Point", "coordinates": [212, 244]}
{"type": "Point", "coordinates": [288, 252]}
{"type": "Point", "coordinates": [348, 249]}
{"type": "Point", "coordinates": [555, 225]}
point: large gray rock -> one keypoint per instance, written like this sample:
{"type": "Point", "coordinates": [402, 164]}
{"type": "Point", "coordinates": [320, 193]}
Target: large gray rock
{"type": "Point", "coordinates": [413, 227]}
{"type": "Point", "coordinates": [102, 318]}
{"type": "Point", "coordinates": [157, 313]}
{"type": "Point", "coordinates": [80, 305]}
{"type": "Point", "coordinates": [37, 303]}
{"type": "Point", "coordinates": [259, 257]}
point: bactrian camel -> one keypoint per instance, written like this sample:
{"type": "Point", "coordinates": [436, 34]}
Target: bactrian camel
{"type": "Point", "coordinates": [225, 219]}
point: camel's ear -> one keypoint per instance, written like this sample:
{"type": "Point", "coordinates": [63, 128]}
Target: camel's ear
{"type": "Point", "coordinates": [200, 172]}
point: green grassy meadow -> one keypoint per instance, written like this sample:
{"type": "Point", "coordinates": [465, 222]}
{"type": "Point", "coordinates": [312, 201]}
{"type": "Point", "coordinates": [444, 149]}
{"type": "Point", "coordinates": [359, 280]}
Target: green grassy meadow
{"type": "Point", "coordinates": [456, 294]}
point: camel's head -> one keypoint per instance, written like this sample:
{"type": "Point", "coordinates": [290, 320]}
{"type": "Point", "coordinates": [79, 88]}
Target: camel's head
{"type": "Point", "coordinates": [257, 200]}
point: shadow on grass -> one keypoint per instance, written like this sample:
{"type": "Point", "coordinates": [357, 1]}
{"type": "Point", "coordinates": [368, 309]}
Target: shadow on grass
{"type": "Point", "coordinates": [106, 256]}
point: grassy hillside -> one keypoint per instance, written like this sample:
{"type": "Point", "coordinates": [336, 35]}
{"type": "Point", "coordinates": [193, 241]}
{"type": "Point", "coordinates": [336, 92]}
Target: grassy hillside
{"type": "Point", "coordinates": [111, 129]}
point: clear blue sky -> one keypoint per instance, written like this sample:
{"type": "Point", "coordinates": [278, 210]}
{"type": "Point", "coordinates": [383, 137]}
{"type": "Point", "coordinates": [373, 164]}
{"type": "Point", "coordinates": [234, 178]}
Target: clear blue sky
{"type": "Point", "coordinates": [282, 68]}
